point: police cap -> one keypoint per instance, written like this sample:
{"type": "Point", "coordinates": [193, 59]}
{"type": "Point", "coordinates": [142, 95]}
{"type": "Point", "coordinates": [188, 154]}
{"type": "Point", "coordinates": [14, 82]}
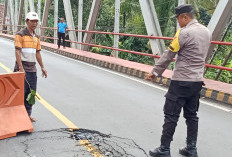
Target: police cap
{"type": "Point", "coordinates": [184, 8]}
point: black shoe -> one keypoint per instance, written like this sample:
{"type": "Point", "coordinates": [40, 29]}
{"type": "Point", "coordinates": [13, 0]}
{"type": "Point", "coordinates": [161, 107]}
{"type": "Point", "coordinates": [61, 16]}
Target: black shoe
{"type": "Point", "coordinates": [161, 151]}
{"type": "Point", "coordinates": [190, 150]}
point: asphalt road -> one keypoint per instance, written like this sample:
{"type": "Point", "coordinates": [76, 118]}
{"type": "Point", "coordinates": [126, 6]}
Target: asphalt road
{"type": "Point", "coordinates": [119, 115]}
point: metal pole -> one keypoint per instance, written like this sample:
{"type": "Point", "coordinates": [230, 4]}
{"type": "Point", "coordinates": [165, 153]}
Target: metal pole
{"type": "Point", "coordinates": [45, 16]}
{"type": "Point", "coordinates": [16, 14]}
{"type": "Point", "coordinates": [39, 14]}
{"type": "Point", "coordinates": [31, 3]}
{"type": "Point", "coordinates": [26, 7]}
{"type": "Point", "coordinates": [80, 17]}
{"type": "Point", "coordinates": [12, 16]}
{"type": "Point", "coordinates": [70, 22]}
{"type": "Point", "coordinates": [5, 13]}
{"type": "Point", "coordinates": [116, 26]}
{"type": "Point", "coordinates": [91, 22]}
{"type": "Point", "coordinates": [1, 16]}
{"type": "Point", "coordinates": [20, 15]}
{"type": "Point", "coordinates": [39, 9]}
{"type": "Point", "coordinates": [8, 18]}
{"type": "Point", "coordinates": [55, 18]}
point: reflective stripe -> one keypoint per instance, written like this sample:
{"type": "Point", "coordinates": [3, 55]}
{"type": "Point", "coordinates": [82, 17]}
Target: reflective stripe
{"type": "Point", "coordinates": [28, 50]}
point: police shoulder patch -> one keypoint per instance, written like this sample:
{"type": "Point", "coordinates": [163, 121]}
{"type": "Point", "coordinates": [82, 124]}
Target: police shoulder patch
{"type": "Point", "coordinates": [175, 45]}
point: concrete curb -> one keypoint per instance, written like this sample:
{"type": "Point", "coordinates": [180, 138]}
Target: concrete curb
{"type": "Point", "coordinates": [206, 92]}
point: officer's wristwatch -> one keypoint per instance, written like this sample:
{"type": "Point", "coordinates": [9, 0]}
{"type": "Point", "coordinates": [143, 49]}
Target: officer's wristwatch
{"type": "Point", "coordinates": [155, 74]}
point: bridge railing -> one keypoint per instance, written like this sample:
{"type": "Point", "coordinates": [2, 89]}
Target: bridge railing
{"type": "Point", "coordinates": [130, 51]}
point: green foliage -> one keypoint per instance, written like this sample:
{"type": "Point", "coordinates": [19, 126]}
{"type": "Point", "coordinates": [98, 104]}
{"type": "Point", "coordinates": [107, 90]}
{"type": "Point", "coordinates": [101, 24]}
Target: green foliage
{"type": "Point", "coordinates": [31, 97]}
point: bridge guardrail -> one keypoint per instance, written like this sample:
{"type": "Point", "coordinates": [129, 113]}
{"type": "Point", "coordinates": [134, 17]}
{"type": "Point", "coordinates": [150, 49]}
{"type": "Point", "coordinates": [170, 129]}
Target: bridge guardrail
{"type": "Point", "coordinates": [130, 51]}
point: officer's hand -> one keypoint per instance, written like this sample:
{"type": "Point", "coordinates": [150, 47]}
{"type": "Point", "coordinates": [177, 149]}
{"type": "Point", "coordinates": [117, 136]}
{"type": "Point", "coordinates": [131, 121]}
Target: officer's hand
{"type": "Point", "coordinates": [44, 72]}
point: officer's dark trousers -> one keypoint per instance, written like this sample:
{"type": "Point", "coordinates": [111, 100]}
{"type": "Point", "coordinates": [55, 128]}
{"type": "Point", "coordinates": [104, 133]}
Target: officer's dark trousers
{"type": "Point", "coordinates": [31, 77]}
{"type": "Point", "coordinates": [61, 35]}
{"type": "Point", "coordinates": [181, 94]}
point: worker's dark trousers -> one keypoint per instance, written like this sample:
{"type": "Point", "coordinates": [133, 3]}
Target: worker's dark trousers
{"type": "Point", "coordinates": [181, 94]}
{"type": "Point", "coordinates": [32, 79]}
{"type": "Point", "coordinates": [61, 35]}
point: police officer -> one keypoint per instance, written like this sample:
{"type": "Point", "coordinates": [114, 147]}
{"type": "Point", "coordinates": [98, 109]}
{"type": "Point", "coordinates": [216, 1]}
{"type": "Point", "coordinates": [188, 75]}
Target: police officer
{"type": "Point", "coordinates": [190, 44]}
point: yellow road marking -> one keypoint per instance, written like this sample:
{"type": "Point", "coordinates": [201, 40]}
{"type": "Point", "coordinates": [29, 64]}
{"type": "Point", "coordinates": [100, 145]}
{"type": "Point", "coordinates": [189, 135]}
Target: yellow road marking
{"type": "Point", "coordinates": [57, 113]}
{"type": "Point", "coordinates": [4, 67]}
{"type": "Point", "coordinates": [64, 119]}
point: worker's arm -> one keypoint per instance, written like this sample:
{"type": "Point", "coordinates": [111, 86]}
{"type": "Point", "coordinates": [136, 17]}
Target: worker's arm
{"type": "Point", "coordinates": [39, 59]}
{"type": "Point", "coordinates": [18, 59]}
{"type": "Point", "coordinates": [166, 58]}
{"type": "Point", "coordinates": [18, 42]}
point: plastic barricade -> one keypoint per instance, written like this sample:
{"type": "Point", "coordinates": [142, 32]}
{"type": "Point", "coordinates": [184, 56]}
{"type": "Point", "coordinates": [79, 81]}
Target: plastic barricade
{"type": "Point", "coordinates": [13, 114]}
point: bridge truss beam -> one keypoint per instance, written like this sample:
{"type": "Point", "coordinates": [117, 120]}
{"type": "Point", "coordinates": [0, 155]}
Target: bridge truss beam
{"type": "Point", "coordinates": [96, 4]}
{"type": "Point", "coordinates": [218, 22]}
{"type": "Point", "coordinates": [152, 25]}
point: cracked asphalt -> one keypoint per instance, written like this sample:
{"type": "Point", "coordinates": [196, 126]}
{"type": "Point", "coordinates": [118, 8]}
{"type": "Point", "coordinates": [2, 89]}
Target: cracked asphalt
{"type": "Point", "coordinates": [118, 116]}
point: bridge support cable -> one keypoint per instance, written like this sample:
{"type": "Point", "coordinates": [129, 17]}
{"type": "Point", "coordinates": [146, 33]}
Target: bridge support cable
{"type": "Point", "coordinates": [116, 26]}
{"type": "Point", "coordinates": [56, 5]}
{"type": "Point", "coordinates": [96, 4]}
{"type": "Point", "coordinates": [152, 25]}
{"type": "Point", "coordinates": [218, 22]}
{"type": "Point", "coordinates": [70, 22]}
{"type": "Point", "coordinates": [80, 19]}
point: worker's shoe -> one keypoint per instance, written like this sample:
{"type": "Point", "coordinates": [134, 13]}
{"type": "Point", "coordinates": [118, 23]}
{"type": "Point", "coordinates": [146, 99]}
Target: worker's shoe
{"type": "Point", "coordinates": [190, 150]}
{"type": "Point", "coordinates": [161, 151]}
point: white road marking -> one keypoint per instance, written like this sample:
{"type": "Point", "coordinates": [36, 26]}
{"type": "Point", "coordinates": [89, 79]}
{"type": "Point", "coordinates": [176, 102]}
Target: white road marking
{"type": "Point", "coordinates": [226, 109]}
